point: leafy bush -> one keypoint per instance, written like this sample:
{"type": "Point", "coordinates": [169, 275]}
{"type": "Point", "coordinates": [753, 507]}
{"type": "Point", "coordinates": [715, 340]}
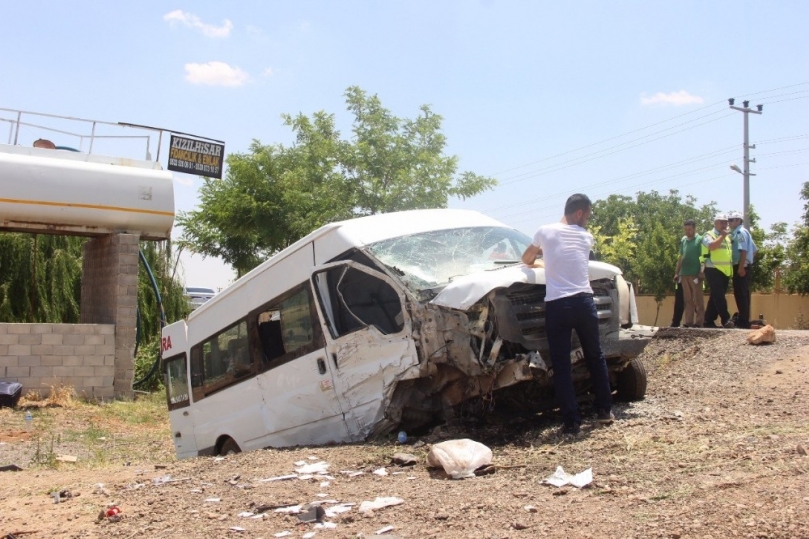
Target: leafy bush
{"type": "Point", "coordinates": [144, 361]}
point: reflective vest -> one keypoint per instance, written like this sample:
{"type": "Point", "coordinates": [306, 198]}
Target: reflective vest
{"type": "Point", "coordinates": [721, 258]}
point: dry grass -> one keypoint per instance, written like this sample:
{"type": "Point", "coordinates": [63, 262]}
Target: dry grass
{"type": "Point", "coordinates": [59, 397]}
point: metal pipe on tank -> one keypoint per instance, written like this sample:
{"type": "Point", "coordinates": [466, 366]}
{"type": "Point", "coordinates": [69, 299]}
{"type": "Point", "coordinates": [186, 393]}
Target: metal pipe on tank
{"type": "Point", "coordinates": [17, 133]}
{"type": "Point", "coordinates": [92, 138]}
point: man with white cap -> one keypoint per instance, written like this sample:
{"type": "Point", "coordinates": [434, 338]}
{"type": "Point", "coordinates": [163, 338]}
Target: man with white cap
{"type": "Point", "coordinates": [743, 252]}
{"type": "Point", "coordinates": [716, 251]}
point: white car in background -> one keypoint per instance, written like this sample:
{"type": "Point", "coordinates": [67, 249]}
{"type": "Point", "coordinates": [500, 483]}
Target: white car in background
{"type": "Point", "coordinates": [197, 295]}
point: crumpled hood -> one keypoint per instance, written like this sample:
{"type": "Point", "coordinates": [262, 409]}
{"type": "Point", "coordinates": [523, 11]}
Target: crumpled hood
{"type": "Point", "coordinates": [465, 291]}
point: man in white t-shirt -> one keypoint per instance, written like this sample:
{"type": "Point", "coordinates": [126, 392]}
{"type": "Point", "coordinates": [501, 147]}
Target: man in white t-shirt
{"type": "Point", "coordinates": [565, 247]}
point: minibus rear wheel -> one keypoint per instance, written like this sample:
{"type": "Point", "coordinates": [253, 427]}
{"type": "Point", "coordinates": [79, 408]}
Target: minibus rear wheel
{"type": "Point", "coordinates": [229, 447]}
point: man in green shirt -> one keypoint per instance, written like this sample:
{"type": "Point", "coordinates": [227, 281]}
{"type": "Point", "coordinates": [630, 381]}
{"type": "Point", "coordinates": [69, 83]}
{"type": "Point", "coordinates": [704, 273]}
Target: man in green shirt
{"type": "Point", "coordinates": [690, 276]}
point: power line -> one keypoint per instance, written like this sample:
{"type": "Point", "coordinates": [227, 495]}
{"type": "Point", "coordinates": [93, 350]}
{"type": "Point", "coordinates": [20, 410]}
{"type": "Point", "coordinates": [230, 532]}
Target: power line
{"type": "Point", "coordinates": [675, 164]}
{"type": "Point", "coordinates": [607, 139]}
{"type": "Point", "coordinates": [674, 187]}
{"type": "Point", "coordinates": [649, 126]}
{"type": "Point", "coordinates": [690, 160]}
{"type": "Point", "coordinates": [521, 176]}
{"type": "Point", "coordinates": [642, 184]}
{"type": "Point", "coordinates": [579, 161]}
{"type": "Point", "coordinates": [553, 168]}
{"type": "Point", "coordinates": [782, 100]}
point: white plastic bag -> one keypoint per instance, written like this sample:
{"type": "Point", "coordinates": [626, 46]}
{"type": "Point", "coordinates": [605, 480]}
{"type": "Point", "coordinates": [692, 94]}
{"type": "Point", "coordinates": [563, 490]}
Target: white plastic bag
{"type": "Point", "coordinates": [560, 478]}
{"type": "Point", "coordinates": [459, 458]}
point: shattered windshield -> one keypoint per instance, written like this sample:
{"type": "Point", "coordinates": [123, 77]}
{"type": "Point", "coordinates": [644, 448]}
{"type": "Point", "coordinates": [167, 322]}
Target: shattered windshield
{"type": "Point", "coordinates": [432, 259]}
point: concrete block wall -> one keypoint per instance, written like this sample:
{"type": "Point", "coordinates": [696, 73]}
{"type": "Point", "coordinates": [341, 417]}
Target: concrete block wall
{"type": "Point", "coordinates": [109, 295]}
{"type": "Point", "coordinates": [40, 356]}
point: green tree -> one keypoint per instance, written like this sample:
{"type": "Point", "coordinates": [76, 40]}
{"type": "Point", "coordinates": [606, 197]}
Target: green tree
{"type": "Point", "coordinates": [653, 224]}
{"type": "Point", "coordinates": [656, 261]}
{"type": "Point", "coordinates": [40, 278]}
{"type": "Point", "coordinates": [275, 194]}
{"type": "Point", "coordinates": [40, 281]}
{"type": "Point", "coordinates": [796, 274]}
{"type": "Point", "coordinates": [618, 249]}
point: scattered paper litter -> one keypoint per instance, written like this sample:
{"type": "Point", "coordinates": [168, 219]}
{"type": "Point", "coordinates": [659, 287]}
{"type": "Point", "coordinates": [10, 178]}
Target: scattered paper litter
{"type": "Point", "coordinates": [305, 477]}
{"type": "Point", "coordinates": [284, 533]}
{"type": "Point", "coordinates": [291, 509]}
{"type": "Point", "coordinates": [397, 473]}
{"type": "Point", "coordinates": [560, 478]}
{"type": "Point", "coordinates": [279, 478]}
{"type": "Point", "coordinates": [386, 529]}
{"type": "Point", "coordinates": [300, 463]}
{"type": "Point", "coordinates": [325, 526]}
{"type": "Point", "coordinates": [213, 500]}
{"type": "Point", "coordinates": [219, 459]}
{"type": "Point", "coordinates": [309, 535]}
{"type": "Point", "coordinates": [351, 473]}
{"type": "Point", "coordinates": [316, 467]}
{"type": "Point", "coordinates": [237, 529]}
{"type": "Point", "coordinates": [313, 458]}
{"type": "Point", "coordinates": [332, 512]}
{"type": "Point", "coordinates": [324, 484]}
{"type": "Point", "coordinates": [379, 503]}
{"type": "Point", "coordinates": [245, 514]}
{"type": "Point", "coordinates": [161, 480]}
{"type": "Point", "coordinates": [381, 472]}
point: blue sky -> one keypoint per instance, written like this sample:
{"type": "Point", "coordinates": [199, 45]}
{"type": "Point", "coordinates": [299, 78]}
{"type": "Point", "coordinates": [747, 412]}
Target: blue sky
{"type": "Point", "coordinates": [550, 98]}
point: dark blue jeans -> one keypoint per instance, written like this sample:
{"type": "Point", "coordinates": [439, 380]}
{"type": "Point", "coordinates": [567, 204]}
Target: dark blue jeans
{"type": "Point", "coordinates": [741, 293]}
{"type": "Point", "coordinates": [717, 304]}
{"type": "Point", "coordinates": [562, 316]}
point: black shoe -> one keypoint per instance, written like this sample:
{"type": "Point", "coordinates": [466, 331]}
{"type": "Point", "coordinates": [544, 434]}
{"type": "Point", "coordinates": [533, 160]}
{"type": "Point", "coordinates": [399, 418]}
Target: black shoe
{"type": "Point", "coordinates": [729, 325]}
{"type": "Point", "coordinates": [713, 326]}
{"type": "Point", "coordinates": [605, 417]}
{"type": "Point", "coordinates": [571, 428]}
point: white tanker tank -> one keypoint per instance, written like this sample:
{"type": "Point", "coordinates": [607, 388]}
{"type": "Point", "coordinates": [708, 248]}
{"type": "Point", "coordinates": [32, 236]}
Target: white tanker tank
{"type": "Point", "coordinates": [64, 192]}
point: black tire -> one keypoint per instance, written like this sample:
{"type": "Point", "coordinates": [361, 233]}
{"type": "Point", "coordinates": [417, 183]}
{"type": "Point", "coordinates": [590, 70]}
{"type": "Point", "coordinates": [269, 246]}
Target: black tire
{"type": "Point", "coordinates": [229, 447]}
{"type": "Point", "coordinates": [632, 382]}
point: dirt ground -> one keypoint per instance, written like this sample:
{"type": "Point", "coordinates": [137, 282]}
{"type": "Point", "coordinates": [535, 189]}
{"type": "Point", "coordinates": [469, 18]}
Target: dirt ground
{"type": "Point", "coordinates": [717, 449]}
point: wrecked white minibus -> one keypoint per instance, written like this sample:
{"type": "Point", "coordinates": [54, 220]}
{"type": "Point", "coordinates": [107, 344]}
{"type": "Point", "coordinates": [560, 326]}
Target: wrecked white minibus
{"type": "Point", "coordinates": [377, 323]}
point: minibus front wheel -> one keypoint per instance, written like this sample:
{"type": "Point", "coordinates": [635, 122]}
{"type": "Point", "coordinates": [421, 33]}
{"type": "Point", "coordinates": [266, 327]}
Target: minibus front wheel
{"type": "Point", "coordinates": [229, 447]}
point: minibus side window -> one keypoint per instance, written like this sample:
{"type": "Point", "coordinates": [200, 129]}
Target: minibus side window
{"type": "Point", "coordinates": [220, 361]}
{"type": "Point", "coordinates": [357, 299]}
{"type": "Point", "coordinates": [287, 328]}
{"type": "Point", "coordinates": [176, 382]}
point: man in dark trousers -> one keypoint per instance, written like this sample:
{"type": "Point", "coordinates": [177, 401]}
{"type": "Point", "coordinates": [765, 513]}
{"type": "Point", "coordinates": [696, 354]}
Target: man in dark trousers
{"type": "Point", "coordinates": [716, 251]}
{"type": "Point", "coordinates": [743, 254]}
{"type": "Point", "coordinates": [565, 247]}
{"type": "Point", "coordinates": [679, 303]}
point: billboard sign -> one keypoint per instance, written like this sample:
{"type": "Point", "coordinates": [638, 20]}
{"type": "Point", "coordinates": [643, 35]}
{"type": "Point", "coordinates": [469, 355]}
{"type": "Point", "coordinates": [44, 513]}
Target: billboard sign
{"type": "Point", "coordinates": [196, 157]}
